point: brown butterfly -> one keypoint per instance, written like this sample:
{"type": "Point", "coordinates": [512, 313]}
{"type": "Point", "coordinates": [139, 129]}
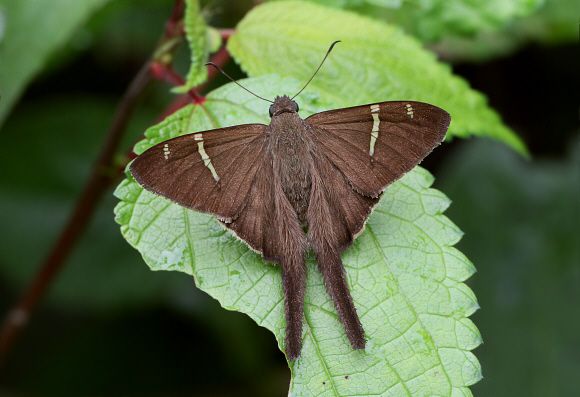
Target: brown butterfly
{"type": "Point", "coordinates": [297, 185]}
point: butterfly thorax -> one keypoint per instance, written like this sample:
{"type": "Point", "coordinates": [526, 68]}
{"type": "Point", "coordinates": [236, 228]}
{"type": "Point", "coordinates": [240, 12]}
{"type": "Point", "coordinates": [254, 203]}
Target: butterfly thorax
{"type": "Point", "coordinates": [290, 148]}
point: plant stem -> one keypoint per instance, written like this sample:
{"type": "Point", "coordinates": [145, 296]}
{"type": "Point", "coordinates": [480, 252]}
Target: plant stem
{"type": "Point", "coordinates": [97, 184]}
{"type": "Point", "coordinates": [101, 176]}
{"type": "Point", "coordinates": [226, 33]}
{"type": "Point", "coordinates": [99, 181]}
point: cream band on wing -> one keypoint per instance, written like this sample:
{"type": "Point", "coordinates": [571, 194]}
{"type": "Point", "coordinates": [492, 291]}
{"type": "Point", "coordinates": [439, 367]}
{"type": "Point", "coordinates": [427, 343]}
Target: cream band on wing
{"type": "Point", "coordinates": [375, 129]}
{"type": "Point", "coordinates": [204, 156]}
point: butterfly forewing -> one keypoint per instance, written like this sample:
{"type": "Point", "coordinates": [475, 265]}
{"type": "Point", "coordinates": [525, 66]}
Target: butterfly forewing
{"type": "Point", "coordinates": [374, 145]}
{"type": "Point", "coordinates": [210, 171]}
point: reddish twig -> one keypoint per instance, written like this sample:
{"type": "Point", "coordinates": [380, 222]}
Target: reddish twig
{"type": "Point", "coordinates": [99, 181]}
{"type": "Point", "coordinates": [220, 58]}
{"type": "Point", "coordinates": [174, 27]}
{"type": "Point", "coordinates": [164, 72]}
{"type": "Point", "coordinates": [226, 33]}
{"type": "Point", "coordinates": [103, 173]}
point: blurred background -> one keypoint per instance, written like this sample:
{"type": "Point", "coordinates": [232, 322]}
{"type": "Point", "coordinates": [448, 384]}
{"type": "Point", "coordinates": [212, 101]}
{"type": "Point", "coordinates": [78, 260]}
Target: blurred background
{"type": "Point", "coordinates": [110, 326]}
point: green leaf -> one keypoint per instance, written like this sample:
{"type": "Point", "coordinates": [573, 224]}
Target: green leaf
{"type": "Point", "coordinates": [430, 20]}
{"type": "Point", "coordinates": [336, 3]}
{"type": "Point", "coordinates": [198, 38]}
{"type": "Point", "coordinates": [405, 276]}
{"type": "Point", "coordinates": [386, 3]}
{"type": "Point", "coordinates": [375, 62]}
{"type": "Point", "coordinates": [555, 23]}
{"type": "Point", "coordinates": [30, 31]}
{"type": "Point", "coordinates": [214, 39]}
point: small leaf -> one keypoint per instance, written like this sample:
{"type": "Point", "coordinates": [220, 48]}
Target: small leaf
{"type": "Point", "coordinates": [431, 20]}
{"type": "Point", "coordinates": [375, 62]}
{"type": "Point", "coordinates": [198, 38]}
{"type": "Point", "coordinates": [214, 39]}
{"type": "Point", "coordinates": [404, 275]}
{"type": "Point", "coordinates": [555, 23]}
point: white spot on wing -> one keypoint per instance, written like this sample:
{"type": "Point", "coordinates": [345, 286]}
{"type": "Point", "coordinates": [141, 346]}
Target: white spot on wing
{"type": "Point", "coordinates": [409, 110]}
{"type": "Point", "coordinates": [375, 108]}
{"type": "Point", "coordinates": [166, 151]}
{"type": "Point", "coordinates": [204, 156]}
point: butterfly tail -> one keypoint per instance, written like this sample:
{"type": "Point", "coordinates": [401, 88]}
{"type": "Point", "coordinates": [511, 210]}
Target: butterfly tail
{"type": "Point", "coordinates": [285, 244]}
{"type": "Point", "coordinates": [328, 231]}
{"type": "Point", "coordinates": [293, 283]}
{"type": "Point", "coordinates": [334, 276]}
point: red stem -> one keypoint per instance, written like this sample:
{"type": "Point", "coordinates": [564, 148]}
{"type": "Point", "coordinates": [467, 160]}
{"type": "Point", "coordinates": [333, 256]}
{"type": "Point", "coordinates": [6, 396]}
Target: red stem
{"type": "Point", "coordinates": [100, 179]}
{"type": "Point", "coordinates": [163, 72]}
{"type": "Point", "coordinates": [98, 182]}
{"type": "Point", "coordinates": [174, 27]}
{"type": "Point", "coordinates": [220, 58]}
{"type": "Point", "coordinates": [226, 33]}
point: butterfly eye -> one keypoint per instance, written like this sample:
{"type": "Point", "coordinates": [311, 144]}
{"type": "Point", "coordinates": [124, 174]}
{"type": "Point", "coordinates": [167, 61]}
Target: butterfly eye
{"type": "Point", "coordinates": [297, 107]}
{"type": "Point", "coordinates": [271, 111]}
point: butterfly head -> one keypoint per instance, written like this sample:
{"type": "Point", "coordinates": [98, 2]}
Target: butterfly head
{"type": "Point", "coordinates": [283, 104]}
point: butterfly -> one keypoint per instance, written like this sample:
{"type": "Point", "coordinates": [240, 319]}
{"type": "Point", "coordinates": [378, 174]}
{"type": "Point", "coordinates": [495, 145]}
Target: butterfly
{"type": "Point", "coordinates": [297, 185]}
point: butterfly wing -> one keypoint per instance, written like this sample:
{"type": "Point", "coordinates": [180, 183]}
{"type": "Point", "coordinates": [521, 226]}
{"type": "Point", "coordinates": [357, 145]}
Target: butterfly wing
{"type": "Point", "coordinates": [374, 145]}
{"type": "Point", "coordinates": [336, 214]}
{"type": "Point", "coordinates": [269, 225]}
{"type": "Point", "coordinates": [256, 224]}
{"type": "Point", "coordinates": [210, 171]}
{"type": "Point", "coordinates": [359, 152]}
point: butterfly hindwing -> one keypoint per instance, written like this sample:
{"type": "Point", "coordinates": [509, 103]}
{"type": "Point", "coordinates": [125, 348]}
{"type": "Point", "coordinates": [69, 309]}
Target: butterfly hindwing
{"type": "Point", "coordinates": [374, 145]}
{"type": "Point", "coordinates": [337, 213]}
{"type": "Point", "coordinates": [255, 224]}
{"type": "Point", "coordinates": [209, 171]}
{"type": "Point", "coordinates": [348, 210]}
{"type": "Point", "coordinates": [268, 224]}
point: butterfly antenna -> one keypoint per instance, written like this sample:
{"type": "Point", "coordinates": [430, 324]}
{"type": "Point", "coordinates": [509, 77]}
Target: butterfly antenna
{"type": "Point", "coordinates": [328, 52]}
{"type": "Point", "coordinates": [225, 74]}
